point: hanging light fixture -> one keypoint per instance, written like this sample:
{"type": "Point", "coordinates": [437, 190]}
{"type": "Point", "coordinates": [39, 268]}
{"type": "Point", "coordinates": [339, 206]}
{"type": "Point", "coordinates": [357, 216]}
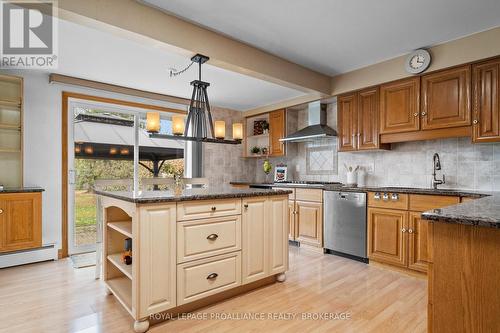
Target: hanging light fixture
{"type": "Point", "coordinates": [237, 131]}
{"type": "Point", "coordinates": [153, 122]}
{"type": "Point", "coordinates": [199, 124]}
{"type": "Point", "coordinates": [178, 125]}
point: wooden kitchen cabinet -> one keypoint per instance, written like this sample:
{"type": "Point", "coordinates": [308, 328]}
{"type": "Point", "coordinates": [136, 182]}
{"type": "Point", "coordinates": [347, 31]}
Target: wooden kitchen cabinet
{"type": "Point", "coordinates": [358, 119]}
{"type": "Point", "coordinates": [309, 223]}
{"type": "Point", "coordinates": [277, 132]}
{"type": "Point", "coordinates": [347, 122]}
{"type": "Point", "coordinates": [418, 255]}
{"type": "Point", "coordinates": [291, 220]}
{"type": "Point", "coordinates": [386, 236]}
{"type": "Point", "coordinates": [20, 221]}
{"type": "Point", "coordinates": [446, 98]}
{"type": "Point", "coordinates": [400, 106]}
{"type": "Point", "coordinates": [486, 101]}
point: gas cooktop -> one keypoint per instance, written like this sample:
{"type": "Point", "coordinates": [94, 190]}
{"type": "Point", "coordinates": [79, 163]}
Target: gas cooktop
{"type": "Point", "coordinates": [305, 183]}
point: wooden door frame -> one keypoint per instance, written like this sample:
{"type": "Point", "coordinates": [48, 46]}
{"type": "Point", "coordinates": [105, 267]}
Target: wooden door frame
{"type": "Point", "coordinates": [63, 252]}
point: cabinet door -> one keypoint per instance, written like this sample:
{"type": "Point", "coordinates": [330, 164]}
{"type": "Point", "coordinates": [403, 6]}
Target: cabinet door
{"type": "Point", "coordinates": [21, 220]}
{"type": "Point", "coordinates": [291, 220]}
{"type": "Point", "coordinates": [156, 252]}
{"type": "Point", "coordinates": [309, 223]}
{"type": "Point", "coordinates": [255, 237]}
{"type": "Point", "coordinates": [418, 258]}
{"type": "Point", "coordinates": [277, 132]}
{"type": "Point", "coordinates": [446, 98]}
{"type": "Point", "coordinates": [386, 236]}
{"type": "Point", "coordinates": [347, 121]}
{"type": "Point", "coordinates": [400, 106]}
{"type": "Point", "coordinates": [368, 133]}
{"type": "Point", "coordinates": [486, 94]}
{"type": "Point", "coordinates": [278, 234]}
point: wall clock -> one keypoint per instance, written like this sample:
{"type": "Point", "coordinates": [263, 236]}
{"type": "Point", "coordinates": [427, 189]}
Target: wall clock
{"type": "Point", "coordinates": [418, 61]}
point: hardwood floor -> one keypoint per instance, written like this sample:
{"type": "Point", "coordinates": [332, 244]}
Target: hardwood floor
{"type": "Point", "coordinates": [54, 297]}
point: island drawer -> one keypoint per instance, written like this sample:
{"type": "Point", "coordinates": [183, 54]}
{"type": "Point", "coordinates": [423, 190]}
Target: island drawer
{"type": "Point", "coordinates": [198, 239]}
{"type": "Point", "coordinates": [423, 202]}
{"type": "Point", "coordinates": [194, 210]}
{"type": "Point", "coordinates": [291, 196]}
{"type": "Point", "coordinates": [309, 194]}
{"type": "Point", "coordinates": [388, 200]}
{"type": "Point", "coordinates": [205, 277]}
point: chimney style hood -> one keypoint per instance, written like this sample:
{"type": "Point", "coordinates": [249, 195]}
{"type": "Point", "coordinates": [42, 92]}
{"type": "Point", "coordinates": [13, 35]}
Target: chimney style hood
{"type": "Point", "coordinates": [317, 128]}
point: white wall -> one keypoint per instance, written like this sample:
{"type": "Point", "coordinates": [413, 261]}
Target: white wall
{"type": "Point", "coordinates": [42, 142]}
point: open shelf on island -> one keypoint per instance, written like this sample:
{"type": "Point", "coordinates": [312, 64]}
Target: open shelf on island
{"type": "Point", "coordinates": [123, 227]}
{"type": "Point", "coordinates": [121, 287]}
{"type": "Point", "coordinates": [116, 260]}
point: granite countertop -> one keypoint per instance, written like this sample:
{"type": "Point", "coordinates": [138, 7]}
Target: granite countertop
{"type": "Point", "coordinates": [217, 192]}
{"type": "Point", "coordinates": [21, 189]}
{"type": "Point", "coordinates": [483, 212]}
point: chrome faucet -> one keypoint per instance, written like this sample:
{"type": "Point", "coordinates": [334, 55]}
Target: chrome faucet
{"type": "Point", "coordinates": [436, 166]}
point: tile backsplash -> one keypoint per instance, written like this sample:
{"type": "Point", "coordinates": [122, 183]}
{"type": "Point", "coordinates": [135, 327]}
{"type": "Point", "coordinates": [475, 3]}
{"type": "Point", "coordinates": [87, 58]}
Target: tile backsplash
{"type": "Point", "coordinates": [465, 165]}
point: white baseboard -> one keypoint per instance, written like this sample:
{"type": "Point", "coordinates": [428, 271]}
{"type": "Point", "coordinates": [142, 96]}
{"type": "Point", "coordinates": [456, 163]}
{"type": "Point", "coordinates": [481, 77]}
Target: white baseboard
{"type": "Point", "coordinates": [17, 258]}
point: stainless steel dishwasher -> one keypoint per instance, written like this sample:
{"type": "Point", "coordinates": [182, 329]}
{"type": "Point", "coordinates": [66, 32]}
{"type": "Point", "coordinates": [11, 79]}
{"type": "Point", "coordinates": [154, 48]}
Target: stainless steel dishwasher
{"type": "Point", "coordinates": [344, 224]}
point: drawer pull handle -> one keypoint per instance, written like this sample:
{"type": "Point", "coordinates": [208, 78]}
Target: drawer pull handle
{"type": "Point", "coordinates": [212, 276]}
{"type": "Point", "coordinates": [214, 209]}
{"type": "Point", "coordinates": [212, 237]}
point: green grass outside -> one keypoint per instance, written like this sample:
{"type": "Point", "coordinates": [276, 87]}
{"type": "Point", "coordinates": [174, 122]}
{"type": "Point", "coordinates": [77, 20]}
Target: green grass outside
{"type": "Point", "coordinates": [85, 209]}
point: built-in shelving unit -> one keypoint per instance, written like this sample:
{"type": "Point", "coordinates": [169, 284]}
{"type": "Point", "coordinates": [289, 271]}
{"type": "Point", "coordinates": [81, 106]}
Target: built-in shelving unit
{"type": "Point", "coordinates": [117, 275]}
{"type": "Point", "coordinates": [255, 140]}
{"type": "Point", "coordinates": [11, 130]}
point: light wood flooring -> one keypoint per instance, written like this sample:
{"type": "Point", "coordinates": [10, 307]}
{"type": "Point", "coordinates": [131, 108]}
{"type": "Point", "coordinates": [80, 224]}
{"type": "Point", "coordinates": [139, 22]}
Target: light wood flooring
{"type": "Point", "coordinates": [53, 297]}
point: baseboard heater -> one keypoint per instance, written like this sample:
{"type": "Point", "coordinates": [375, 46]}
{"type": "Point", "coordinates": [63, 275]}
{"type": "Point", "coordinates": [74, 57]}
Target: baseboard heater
{"type": "Point", "coordinates": [16, 258]}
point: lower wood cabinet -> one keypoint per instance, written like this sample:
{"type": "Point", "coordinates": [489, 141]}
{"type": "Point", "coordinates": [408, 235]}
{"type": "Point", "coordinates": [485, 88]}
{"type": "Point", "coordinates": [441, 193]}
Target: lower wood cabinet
{"type": "Point", "coordinates": [309, 223]}
{"type": "Point", "coordinates": [386, 236]}
{"type": "Point", "coordinates": [264, 232]}
{"type": "Point", "coordinates": [20, 221]}
{"type": "Point", "coordinates": [418, 249]}
{"type": "Point", "coordinates": [291, 220]}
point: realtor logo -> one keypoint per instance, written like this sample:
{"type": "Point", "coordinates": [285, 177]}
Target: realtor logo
{"type": "Point", "coordinates": [28, 34]}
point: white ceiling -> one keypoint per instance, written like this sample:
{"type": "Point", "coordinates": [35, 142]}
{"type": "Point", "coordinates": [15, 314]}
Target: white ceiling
{"type": "Point", "coordinates": [101, 56]}
{"type": "Point", "coordinates": [337, 36]}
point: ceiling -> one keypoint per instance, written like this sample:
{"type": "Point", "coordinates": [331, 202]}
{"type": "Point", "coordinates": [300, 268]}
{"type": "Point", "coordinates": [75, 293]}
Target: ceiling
{"type": "Point", "coordinates": [100, 56]}
{"type": "Point", "coordinates": [338, 36]}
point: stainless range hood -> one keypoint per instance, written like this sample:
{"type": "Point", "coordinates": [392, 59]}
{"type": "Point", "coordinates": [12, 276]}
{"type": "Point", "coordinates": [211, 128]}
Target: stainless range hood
{"type": "Point", "coordinates": [317, 128]}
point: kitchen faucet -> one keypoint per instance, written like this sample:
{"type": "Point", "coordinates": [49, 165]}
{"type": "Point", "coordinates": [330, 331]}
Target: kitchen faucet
{"type": "Point", "coordinates": [436, 166]}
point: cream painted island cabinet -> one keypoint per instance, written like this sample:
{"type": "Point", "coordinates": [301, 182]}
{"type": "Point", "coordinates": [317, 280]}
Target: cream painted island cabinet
{"type": "Point", "coordinates": [191, 248]}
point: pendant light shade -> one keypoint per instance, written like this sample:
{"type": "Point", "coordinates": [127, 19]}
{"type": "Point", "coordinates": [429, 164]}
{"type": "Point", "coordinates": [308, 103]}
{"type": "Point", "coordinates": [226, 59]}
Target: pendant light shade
{"type": "Point", "coordinates": [153, 122]}
{"type": "Point", "coordinates": [178, 125]}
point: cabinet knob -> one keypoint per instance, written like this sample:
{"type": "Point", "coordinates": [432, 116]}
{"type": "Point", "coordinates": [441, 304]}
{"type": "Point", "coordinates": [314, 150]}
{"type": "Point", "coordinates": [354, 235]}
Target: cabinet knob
{"type": "Point", "coordinates": [415, 114]}
{"type": "Point", "coordinates": [410, 231]}
{"type": "Point", "coordinates": [424, 113]}
{"type": "Point", "coordinates": [475, 121]}
{"type": "Point", "coordinates": [212, 237]}
{"type": "Point", "coordinates": [403, 230]}
{"type": "Point", "coordinates": [1, 211]}
{"type": "Point", "coordinates": [212, 276]}
{"type": "Point", "coordinates": [245, 205]}
{"type": "Point", "coordinates": [214, 209]}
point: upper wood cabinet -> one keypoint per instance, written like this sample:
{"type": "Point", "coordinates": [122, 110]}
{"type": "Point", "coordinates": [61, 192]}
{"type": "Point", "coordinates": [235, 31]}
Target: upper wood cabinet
{"type": "Point", "coordinates": [400, 106]}
{"type": "Point", "coordinates": [358, 125]}
{"type": "Point", "coordinates": [368, 133]}
{"type": "Point", "coordinates": [277, 132]}
{"type": "Point", "coordinates": [20, 221]}
{"type": "Point", "coordinates": [486, 101]}
{"type": "Point", "coordinates": [347, 122]}
{"type": "Point", "coordinates": [446, 98]}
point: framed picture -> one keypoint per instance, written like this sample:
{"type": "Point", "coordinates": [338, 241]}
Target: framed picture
{"type": "Point", "coordinates": [280, 172]}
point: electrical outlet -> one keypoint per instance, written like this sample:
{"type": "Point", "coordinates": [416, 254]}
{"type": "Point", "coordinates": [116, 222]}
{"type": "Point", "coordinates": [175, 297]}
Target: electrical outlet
{"type": "Point", "coordinates": [370, 167]}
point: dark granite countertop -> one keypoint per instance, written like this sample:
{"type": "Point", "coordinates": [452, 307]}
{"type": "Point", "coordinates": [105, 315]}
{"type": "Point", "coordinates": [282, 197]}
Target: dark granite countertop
{"type": "Point", "coordinates": [482, 212]}
{"type": "Point", "coordinates": [391, 189]}
{"type": "Point", "coordinates": [21, 190]}
{"type": "Point", "coordinates": [218, 192]}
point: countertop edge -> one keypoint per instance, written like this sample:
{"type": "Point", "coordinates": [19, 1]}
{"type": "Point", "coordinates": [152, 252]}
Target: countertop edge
{"type": "Point", "coordinates": [22, 190]}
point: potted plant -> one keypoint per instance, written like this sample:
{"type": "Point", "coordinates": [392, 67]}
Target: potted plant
{"type": "Point", "coordinates": [265, 127]}
{"type": "Point", "coordinates": [255, 150]}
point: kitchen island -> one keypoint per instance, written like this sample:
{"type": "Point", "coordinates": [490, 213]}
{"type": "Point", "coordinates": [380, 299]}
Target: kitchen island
{"type": "Point", "coordinates": [191, 248]}
{"type": "Point", "coordinates": [464, 266]}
